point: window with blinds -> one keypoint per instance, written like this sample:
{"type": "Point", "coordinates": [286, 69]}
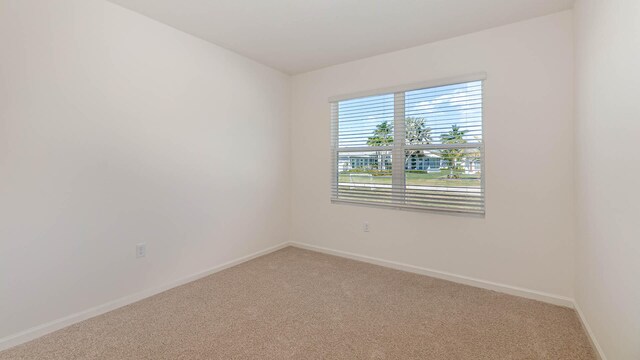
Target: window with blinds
{"type": "Point", "coordinates": [418, 147]}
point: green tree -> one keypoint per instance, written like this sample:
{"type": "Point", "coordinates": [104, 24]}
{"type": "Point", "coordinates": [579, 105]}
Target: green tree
{"type": "Point", "coordinates": [382, 135]}
{"type": "Point", "coordinates": [454, 136]}
{"type": "Point", "coordinates": [416, 133]}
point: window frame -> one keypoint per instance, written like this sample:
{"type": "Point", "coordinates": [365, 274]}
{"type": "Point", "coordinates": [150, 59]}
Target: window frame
{"type": "Point", "coordinates": [399, 147]}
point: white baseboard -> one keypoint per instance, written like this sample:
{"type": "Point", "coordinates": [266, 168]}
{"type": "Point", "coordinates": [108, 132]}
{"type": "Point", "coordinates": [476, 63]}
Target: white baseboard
{"type": "Point", "coordinates": [590, 334]}
{"type": "Point", "coordinates": [503, 288]}
{"type": "Point", "coordinates": [40, 330]}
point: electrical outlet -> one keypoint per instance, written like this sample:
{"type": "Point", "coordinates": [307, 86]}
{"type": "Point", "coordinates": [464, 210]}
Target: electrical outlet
{"type": "Point", "coordinates": [141, 250]}
{"type": "Point", "coordinates": [365, 226]}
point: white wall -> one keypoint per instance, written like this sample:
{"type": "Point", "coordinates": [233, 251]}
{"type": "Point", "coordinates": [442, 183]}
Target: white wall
{"type": "Point", "coordinates": [114, 130]}
{"type": "Point", "coordinates": [526, 238]}
{"type": "Point", "coordinates": [608, 203]}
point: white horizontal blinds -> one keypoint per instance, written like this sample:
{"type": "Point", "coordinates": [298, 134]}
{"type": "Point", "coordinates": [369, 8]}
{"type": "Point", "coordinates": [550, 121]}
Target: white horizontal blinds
{"type": "Point", "coordinates": [442, 109]}
{"type": "Point", "coordinates": [366, 121]}
{"type": "Point", "coordinates": [443, 148]}
{"type": "Point", "coordinates": [357, 183]}
{"type": "Point", "coordinates": [447, 179]}
{"type": "Point", "coordinates": [364, 140]}
{"type": "Point", "coordinates": [417, 149]}
{"type": "Point", "coordinates": [334, 149]}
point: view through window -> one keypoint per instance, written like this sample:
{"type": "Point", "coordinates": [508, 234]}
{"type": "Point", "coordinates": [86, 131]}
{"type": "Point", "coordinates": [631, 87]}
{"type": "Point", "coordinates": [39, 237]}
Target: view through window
{"type": "Point", "coordinates": [414, 149]}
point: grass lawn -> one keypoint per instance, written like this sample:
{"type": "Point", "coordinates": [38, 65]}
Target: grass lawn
{"type": "Point", "coordinates": [416, 179]}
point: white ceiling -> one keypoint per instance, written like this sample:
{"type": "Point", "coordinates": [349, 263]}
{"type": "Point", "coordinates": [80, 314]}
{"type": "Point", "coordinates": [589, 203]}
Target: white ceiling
{"type": "Point", "coordinates": [296, 36]}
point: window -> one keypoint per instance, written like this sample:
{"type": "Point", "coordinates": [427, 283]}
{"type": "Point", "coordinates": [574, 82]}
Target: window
{"type": "Point", "coordinates": [416, 147]}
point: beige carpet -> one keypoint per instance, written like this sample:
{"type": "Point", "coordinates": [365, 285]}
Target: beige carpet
{"type": "Point", "coordinates": [298, 304]}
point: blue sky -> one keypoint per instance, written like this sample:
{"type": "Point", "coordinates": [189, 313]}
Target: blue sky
{"type": "Point", "coordinates": [440, 107]}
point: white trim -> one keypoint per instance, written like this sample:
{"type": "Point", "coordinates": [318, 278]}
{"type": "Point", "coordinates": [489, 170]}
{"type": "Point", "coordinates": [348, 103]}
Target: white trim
{"type": "Point", "coordinates": [434, 210]}
{"type": "Point", "coordinates": [398, 179]}
{"type": "Point", "coordinates": [400, 193]}
{"type": "Point", "coordinates": [407, 87]}
{"type": "Point", "coordinates": [592, 338]}
{"type": "Point", "coordinates": [503, 288]}
{"type": "Point", "coordinates": [41, 330]}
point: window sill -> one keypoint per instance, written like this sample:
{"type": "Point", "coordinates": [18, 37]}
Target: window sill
{"type": "Point", "coordinates": [458, 212]}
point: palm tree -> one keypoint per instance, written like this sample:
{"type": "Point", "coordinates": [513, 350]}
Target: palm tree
{"type": "Point", "coordinates": [382, 135]}
{"type": "Point", "coordinates": [416, 133]}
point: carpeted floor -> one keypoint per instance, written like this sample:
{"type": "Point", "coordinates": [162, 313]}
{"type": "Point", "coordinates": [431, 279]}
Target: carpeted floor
{"type": "Point", "coordinates": [298, 304]}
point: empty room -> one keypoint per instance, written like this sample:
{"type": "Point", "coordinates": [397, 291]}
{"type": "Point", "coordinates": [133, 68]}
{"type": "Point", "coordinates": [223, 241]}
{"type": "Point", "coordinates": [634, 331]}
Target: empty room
{"type": "Point", "coordinates": [329, 179]}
